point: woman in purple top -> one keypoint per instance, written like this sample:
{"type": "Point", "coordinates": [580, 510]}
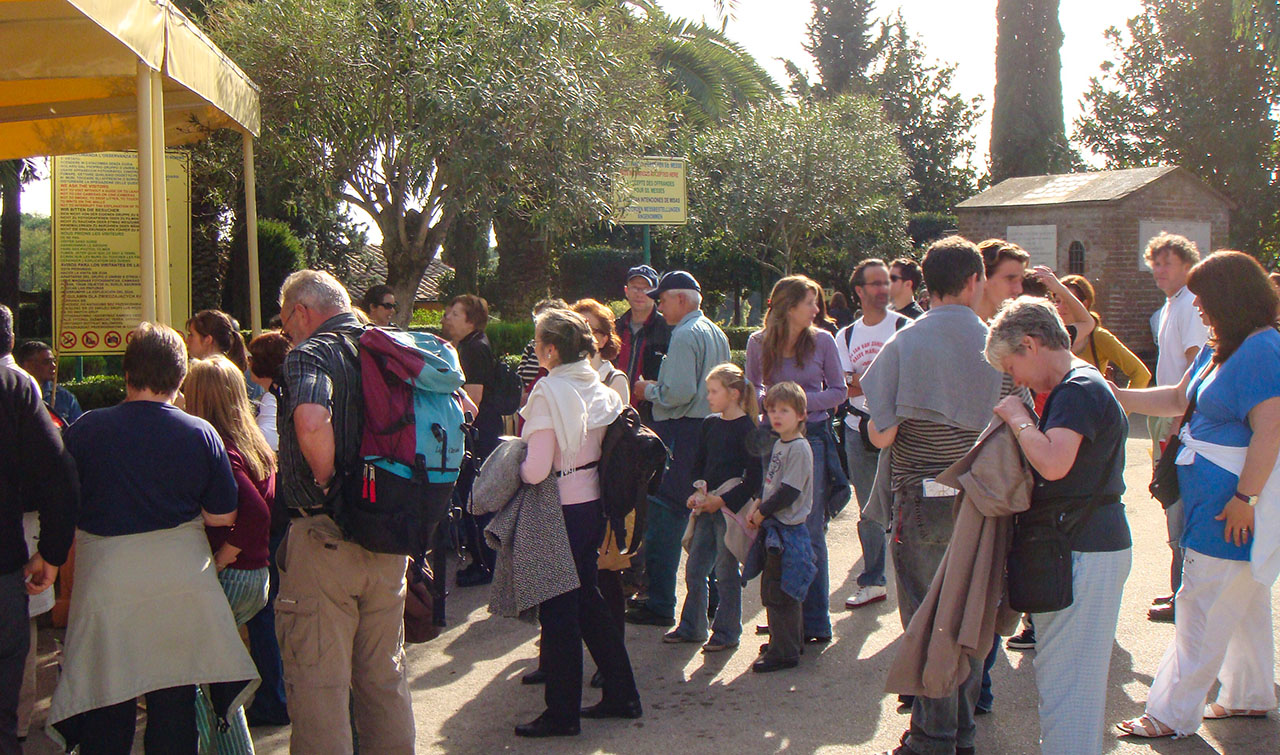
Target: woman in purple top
{"type": "Point", "coordinates": [790, 348]}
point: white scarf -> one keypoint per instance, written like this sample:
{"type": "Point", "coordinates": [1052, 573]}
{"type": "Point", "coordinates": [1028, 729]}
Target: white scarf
{"type": "Point", "coordinates": [577, 402]}
{"type": "Point", "coordinates": [1264, 556]}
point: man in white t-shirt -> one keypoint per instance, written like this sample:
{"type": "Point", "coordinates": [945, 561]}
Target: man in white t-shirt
{"type": "Point", "coordinates": [1179, 337]}
{"type": "Point", "coordinates": [858, 345]}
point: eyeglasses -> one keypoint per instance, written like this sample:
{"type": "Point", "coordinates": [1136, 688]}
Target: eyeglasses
{"type": "Point", "coordinates": [639, 289]}
{"type": "Point", "coordinates": [896, 278]}
{"type": "Point", "coordinates": [388, 305]}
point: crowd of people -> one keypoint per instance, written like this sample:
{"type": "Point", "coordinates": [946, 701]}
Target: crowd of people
{"type": "Point", "coordinates": [981, 431]}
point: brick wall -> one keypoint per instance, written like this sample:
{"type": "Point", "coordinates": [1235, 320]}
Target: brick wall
{"type": "Point", "coordinates": [1126, 295]}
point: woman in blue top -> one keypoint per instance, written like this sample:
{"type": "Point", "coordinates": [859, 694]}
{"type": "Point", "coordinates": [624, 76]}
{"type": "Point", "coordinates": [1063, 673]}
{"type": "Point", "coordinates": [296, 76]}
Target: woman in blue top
{"type": "Point", "coordinates": [1225, 473]}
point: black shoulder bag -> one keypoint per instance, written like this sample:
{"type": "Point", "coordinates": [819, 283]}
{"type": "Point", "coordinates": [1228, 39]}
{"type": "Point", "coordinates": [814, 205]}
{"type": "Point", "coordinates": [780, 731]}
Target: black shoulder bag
{"type": "Point", "coordinates": [1164, 478]}
{"type": "Point", "coordinates": [1038, 567]}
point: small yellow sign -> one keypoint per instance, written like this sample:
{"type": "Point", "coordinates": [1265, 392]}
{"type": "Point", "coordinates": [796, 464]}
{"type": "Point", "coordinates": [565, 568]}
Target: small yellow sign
{"type": "Point", "coordinates": [97, 287]}
{"type": "Point", "coordinates": [651, 191]}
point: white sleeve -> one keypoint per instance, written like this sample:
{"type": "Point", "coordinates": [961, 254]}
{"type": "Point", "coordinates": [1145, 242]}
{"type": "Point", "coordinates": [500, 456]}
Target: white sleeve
{"type": "Point", "coordinates": [1192, 330]}
{"type": "Point", "coordinates": [842, 348]}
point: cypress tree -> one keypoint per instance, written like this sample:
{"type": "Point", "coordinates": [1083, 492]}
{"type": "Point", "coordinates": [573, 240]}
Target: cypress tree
{"type": "Point", "coordinates": [1028, 136]}
{"type": "Point", "coordinates": [842, 43]}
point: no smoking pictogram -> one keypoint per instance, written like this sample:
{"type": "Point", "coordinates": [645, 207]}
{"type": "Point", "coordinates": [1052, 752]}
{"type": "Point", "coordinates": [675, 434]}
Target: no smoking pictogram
{"type": "Point", "coordinates": [67, 340]}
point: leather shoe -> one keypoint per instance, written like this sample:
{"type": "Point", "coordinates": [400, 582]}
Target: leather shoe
{"type": "Point", "coordinates": [474, 576]}
{"type": "Point", "coordinates": [597, 679]}
{"type": "Point", "coordinates": [545, 727]}
{"type": "Point", "coordinates": [603, 709]}
{"type": "Point", "coordinates": [1163, 614]}
{"type": "Point", "coordinates": [646, 615]}
{"type": "Point", "coordinates": [765, 665]}
{"type": "Point", "coordinates": [537, 676]}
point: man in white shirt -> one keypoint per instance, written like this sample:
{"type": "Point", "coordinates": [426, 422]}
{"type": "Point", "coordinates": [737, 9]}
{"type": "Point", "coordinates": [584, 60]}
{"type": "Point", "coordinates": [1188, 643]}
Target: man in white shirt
{"type": "Point", "coordinates": [858, 345]}
{"type": "Point", "coordinates": [1180, 336]}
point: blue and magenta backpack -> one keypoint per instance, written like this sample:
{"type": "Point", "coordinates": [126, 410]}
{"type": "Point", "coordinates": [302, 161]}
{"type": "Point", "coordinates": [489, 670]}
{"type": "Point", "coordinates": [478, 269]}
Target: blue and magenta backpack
{"type": "Point", "coordinates": [413, 442]}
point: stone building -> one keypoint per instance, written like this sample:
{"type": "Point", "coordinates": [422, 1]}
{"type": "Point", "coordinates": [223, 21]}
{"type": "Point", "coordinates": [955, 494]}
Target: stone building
{"type": "Point", "coordinates": [1097, 225]}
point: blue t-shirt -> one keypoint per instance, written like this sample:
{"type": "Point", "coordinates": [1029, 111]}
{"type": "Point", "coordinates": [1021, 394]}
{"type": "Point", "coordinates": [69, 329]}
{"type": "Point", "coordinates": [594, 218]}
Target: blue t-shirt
{"type": "Point", "coordinates": [147, 466]}
{"type": "Point", "coordinates": [1083, 403]}
{"type": "Point", "coordinates": [1224, 399]}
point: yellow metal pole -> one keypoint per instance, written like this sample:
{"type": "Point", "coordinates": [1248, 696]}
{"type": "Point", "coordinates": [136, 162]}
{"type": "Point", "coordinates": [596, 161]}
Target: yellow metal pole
{"type": "Point", "coordinates": [159, 197]}
{"type": "Point", "coordinates": [251, 225]}
{"type": "Point", "coordinates": [146, 225]}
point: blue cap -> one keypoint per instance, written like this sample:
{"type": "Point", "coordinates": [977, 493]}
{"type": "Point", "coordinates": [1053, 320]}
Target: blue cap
{"type": "Point", "coordinates": [643, 271]}
{"type": "Point", "coordinates": [677, 280]}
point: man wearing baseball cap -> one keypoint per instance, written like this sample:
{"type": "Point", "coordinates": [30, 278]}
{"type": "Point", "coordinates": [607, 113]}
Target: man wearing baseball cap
{"type": "Point", "coordinates": [644, 335]}
{"type": "Point", "coordinates": [679, 397]}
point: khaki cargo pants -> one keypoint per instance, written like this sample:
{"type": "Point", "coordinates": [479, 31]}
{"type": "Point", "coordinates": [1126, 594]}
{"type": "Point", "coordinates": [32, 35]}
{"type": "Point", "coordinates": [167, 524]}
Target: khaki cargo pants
{"type": "Point", "coordinates": [340, 623]}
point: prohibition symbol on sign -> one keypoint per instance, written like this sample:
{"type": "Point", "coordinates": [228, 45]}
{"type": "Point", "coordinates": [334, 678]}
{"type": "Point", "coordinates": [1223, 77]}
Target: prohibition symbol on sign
{"type": "Point", "coordinates": [111, 339]}
{"type": "Point", "coordinates": [89, 339]}
{"type": "Point", "coordinates": [67, 340]}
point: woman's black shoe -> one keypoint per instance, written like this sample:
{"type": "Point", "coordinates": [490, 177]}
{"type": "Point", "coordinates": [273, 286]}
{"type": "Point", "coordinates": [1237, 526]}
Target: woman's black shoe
{"type": "Point", "coordinates": [474, 576]}
{"type": "Point", "coordinates": [597, 679]}
{"type": "Point", "coordinates": [537, 676]}
{"type": "Point", "coordinates": [545, 727]}
{"type": "Point", "coordinates": [602, 709]}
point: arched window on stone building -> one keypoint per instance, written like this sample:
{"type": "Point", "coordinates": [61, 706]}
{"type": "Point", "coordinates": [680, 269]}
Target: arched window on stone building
{"type": "Point", "coordinates": [1075, 258]}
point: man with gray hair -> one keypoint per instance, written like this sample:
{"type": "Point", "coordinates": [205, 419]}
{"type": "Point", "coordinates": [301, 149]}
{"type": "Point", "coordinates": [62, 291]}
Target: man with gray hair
{"type": "Point", "coordinates": [679, 397]}
{"type": "Point", "coordinates": [341, 607]}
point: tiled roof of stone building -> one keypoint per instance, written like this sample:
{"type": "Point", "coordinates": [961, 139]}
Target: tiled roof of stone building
{"type": "Point", "coordinates": [1069, 188]}
{"type": "Point", "coordinates": [369, 269]}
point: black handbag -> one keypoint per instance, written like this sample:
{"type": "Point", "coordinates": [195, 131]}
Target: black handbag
{"type": "Point", "coordinates": [1164, 477]}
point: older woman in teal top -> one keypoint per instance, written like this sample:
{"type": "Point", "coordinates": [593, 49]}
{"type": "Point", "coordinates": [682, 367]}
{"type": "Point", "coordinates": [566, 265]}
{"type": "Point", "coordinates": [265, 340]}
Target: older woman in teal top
{"type": "Point", "coordinates": [1231, 491]}
{"type": "Point", "coordinates": [790, 348]}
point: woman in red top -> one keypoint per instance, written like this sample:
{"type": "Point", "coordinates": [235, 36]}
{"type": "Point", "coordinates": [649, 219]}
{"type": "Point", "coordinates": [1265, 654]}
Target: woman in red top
{"type": "Point", "coordinates": [215, 392]}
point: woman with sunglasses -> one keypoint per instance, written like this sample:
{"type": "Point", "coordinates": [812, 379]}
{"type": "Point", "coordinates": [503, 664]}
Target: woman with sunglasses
{"type": "Point", "coordinates": [379, 302]}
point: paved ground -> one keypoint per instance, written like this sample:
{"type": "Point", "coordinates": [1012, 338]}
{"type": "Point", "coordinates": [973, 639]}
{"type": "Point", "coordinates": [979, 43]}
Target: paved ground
{"type": "Point", "coordinates": [467, 693]}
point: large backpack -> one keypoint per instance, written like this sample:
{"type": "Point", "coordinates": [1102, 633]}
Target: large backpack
{"type": "Point", "coordinates": [632, 460]}
{"type": "Point", "coordinates": [413, 443]}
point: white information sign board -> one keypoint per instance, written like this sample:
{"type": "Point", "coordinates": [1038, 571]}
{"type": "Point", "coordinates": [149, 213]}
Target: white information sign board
{"type": "Point", "coordinates": [1040, 241]}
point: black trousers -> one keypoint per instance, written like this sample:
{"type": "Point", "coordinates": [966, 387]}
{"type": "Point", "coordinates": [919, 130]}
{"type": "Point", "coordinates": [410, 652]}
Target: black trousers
{"type": "Point", "coordinates": [580, 616]}
{"type": "Point", "coordinates": [15, 640]}
{"type": "Point", "coordinates": [171, 725]}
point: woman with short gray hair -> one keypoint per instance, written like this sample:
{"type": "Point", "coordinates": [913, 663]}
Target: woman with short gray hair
{"type": "Point", "coordinates": [1076, 452]}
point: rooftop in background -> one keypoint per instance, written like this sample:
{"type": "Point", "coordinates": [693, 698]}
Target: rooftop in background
{"type": "Point", "coordinates": [1095, 186]}
{"type": "Point", "coordinates": [370, 269]}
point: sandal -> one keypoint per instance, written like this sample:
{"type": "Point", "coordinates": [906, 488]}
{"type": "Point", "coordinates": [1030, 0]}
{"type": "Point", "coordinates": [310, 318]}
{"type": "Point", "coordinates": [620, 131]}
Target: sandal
{"type": "Point", "coordinates": [1144, 726]}
{"type": "Point", "coordinates": [1215, 711]}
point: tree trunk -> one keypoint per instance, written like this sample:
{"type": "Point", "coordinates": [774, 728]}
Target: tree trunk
{"type": "Point", "coordinates": [524, 264]}
{"type": "Point", "coordinates": [405, 267]}
{"type": "Point", "coordinates": [10, 233]}
{"type": "Point", "coordinates": [463, 245]}
{"type": "Point", "coordinates": [737, 306]}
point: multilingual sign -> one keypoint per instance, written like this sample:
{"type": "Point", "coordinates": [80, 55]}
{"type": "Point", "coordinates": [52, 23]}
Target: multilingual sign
{"type": "Point", "coordinates": [651, 191]}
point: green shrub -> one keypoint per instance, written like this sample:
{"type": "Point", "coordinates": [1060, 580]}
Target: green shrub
{"type": "Point", "coordinates": [926, 227]}
{"type": "Point", "coordinates": [97, 392]}
{"type": "Point", "coordinates": [619, 307]}
{"type": "Point", "coordinates": [426, 318]}
{"type": "Point", "coordinates": [596, 272]}
{"type": "Point", "coordinates": [738, 335]}
{"type": "Point", "coordinates": [738, 357]}
{"type": "Point", "coordinates": [509, 337]}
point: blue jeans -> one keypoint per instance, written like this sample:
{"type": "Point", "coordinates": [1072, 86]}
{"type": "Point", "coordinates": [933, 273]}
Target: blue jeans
{"type": "Point", "coordinates": [985, 697]}
{"type": "Point", "coordinates": [707, 553]}
{"type": "Point", "coordinates": [817, 613]}
{"type": "Point", "coordinates": [268, 702]}
{"type": "Point", "coordinates": [871, 534]}
{"type": "Point", "coordinates": [668, 513]}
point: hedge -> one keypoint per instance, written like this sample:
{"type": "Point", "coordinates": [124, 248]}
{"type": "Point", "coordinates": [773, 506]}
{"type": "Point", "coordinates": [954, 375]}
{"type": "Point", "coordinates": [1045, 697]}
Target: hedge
{"type": "Point", "coordinates": [738, 335]}
{"type": "Point", "coordinates": [98, 391]}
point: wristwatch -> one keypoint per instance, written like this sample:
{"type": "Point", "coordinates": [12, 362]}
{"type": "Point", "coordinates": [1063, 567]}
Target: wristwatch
{"type": "Point", "coordinates": [1252, 500]}
{"type": "Point", "coordinates": [1017, 431]}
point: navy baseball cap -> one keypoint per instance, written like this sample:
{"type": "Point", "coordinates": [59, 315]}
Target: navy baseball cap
{"type": "Point", "coordinates": [643, 271]}
{"type": "Point", "coordinates": [675, 280]}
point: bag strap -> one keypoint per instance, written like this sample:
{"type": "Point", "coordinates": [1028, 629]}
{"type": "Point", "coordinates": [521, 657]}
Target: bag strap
{"type": "Point", "coordinates": [1093, 347]}
{"type": "Point", "coordinates": [1195, 393]}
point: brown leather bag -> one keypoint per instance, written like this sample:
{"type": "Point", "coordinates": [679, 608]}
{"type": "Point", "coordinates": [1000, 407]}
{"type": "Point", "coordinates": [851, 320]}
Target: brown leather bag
{"type": "Point", "coordinates": [419, 615]}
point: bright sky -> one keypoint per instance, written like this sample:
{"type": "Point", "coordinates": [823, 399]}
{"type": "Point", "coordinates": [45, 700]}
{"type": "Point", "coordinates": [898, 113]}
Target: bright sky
{"type": "Point", "coordinates": [963, 33]}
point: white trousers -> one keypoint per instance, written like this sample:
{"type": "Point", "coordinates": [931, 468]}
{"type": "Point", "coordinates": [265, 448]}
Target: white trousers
{"type": "Point", "coordinates": [1073, 654]}
{"type": "Point", "coordinates": [1222, 631]}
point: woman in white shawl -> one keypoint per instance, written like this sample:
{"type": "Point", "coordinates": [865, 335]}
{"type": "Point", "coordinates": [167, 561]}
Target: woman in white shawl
{"type": "Point", "coordinates": [565, 421]}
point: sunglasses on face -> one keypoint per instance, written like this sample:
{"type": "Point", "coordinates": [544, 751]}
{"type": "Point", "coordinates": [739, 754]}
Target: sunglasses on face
{"type": "Point", "coordinates": [389, 305]}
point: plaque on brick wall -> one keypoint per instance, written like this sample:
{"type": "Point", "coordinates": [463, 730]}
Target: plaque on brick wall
{"type": "Point", "coordinates": [1197, 232]}
{"type": "Point", "coordinates": [1040, 241]}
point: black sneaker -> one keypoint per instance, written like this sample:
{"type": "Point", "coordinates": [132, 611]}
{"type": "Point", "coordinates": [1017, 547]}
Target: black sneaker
{"type": "Point", "coordinates": [1026, 640]}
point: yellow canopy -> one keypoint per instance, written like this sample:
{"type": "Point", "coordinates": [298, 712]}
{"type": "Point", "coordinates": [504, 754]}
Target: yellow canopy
{"type": "Point", "coordinates": [68, 81]}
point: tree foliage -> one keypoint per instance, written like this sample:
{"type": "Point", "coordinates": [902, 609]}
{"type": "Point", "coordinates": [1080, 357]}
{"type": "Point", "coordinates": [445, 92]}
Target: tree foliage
{"type": "Point", "coordinates": [780, 187]}
{"type": "Point", "coordinates": [841, 39]}
{"type": "Point", "coordinates": [1187, 90]}
{"type": "Point", "coordinates": [1028, 135]}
